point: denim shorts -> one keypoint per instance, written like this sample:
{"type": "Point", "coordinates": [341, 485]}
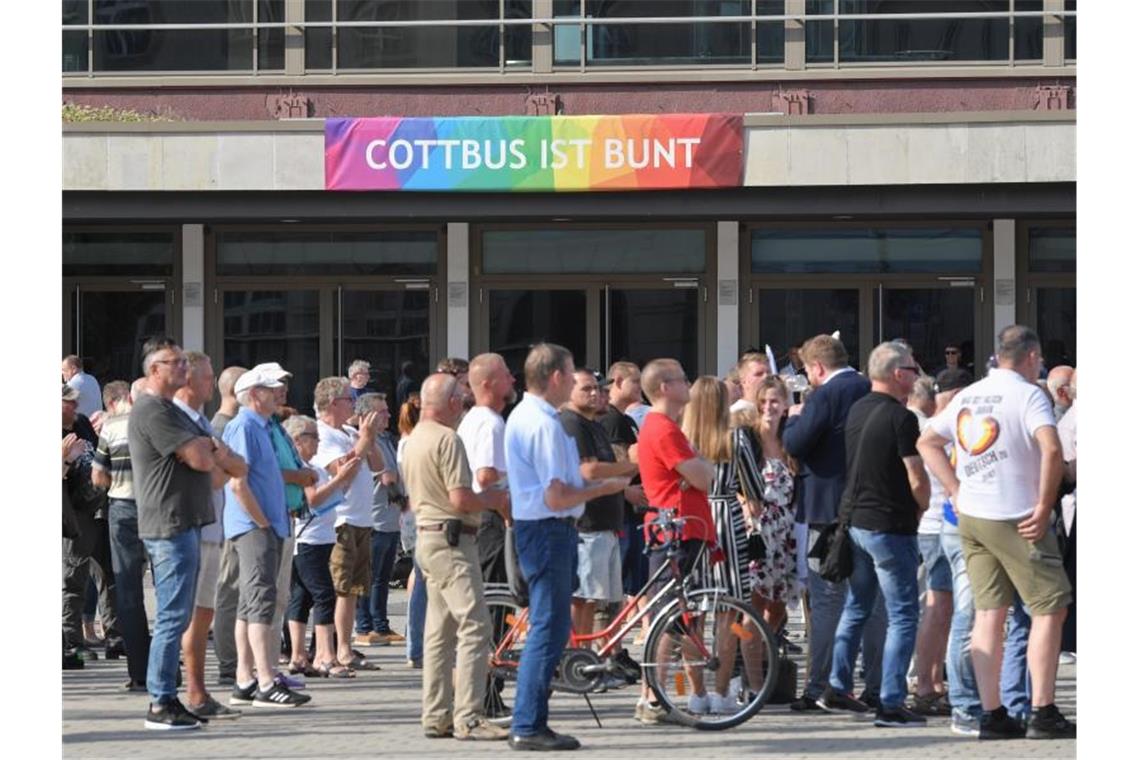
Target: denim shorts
{"type": "Point", "coordinates": [938, 575]}
{"type": "Point", "coordinates": [599, 566]}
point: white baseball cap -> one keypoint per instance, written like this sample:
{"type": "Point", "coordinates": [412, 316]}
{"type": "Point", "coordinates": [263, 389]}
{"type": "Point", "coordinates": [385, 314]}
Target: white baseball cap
{"type": "Point", "coordinates": [256, 378]}
{"type": "Point", "coordinates": [274, 370]}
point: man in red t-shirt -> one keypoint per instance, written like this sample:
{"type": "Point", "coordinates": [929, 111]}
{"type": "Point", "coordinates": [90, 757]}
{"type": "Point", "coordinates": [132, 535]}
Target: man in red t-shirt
{"type": "Point", "coordinates": [674, 477]}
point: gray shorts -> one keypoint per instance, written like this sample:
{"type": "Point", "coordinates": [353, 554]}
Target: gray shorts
{"type": "Point", "coordinates": [208, 564]}
{"type": "Point", "coordinates": [259, 553]}
{"type": "Point", "coordinates": [599, 567]}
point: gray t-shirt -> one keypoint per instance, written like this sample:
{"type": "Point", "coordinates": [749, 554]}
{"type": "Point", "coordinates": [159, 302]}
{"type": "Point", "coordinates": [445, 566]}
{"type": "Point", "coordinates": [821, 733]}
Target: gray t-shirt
{"type": "Point", "coordinates": [385, 509]}
{"type": "Point", "coordinates": [171, 496]}
{"type": "Point", "coordinates": [219, 423]}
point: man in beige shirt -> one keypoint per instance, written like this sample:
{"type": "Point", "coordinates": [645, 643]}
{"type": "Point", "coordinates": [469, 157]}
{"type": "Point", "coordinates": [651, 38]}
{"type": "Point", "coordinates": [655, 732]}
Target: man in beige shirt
{"type": "Point", "coordinates": [457, 631]}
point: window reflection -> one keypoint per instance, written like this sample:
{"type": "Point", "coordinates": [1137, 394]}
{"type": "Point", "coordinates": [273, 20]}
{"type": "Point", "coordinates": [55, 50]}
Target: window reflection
{"type": "Point", "coordinates": [593, 251]}
{"type": "Point", "coordinates": [945, 250]}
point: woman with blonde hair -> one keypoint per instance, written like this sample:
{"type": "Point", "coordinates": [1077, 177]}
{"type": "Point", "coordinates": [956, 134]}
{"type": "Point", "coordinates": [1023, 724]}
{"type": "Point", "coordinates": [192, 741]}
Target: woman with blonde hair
{"type": "Point", "coordinates": [767, 480]}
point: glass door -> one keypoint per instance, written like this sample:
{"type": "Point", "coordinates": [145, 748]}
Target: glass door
{"type": "Point", "coordinates": [930, 317]}
{"type": "Point", "coordinates": [790, 316]}
{"type": "Point", "coordinates": [641, 323]}
{"type": "Point", "coordinates": [107, 325]}
{"type": "Point", "coordinates": [516, 319]}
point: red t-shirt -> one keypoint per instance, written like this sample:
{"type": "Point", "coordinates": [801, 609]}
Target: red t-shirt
{"type": "Point", "coordinates": [661, 446]}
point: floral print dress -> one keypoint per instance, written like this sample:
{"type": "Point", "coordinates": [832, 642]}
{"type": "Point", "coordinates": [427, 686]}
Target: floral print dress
{"type": "Point", "coordinates": [769, 484]}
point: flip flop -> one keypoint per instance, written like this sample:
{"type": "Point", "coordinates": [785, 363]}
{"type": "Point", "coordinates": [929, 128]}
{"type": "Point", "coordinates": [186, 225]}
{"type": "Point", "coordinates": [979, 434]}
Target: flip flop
{"type": "Point", "coordinates": [335, 670]}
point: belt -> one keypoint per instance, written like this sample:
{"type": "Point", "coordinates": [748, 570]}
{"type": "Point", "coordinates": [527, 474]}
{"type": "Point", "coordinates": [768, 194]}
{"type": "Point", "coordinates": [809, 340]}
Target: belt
{"type": "Point", "coordinates": [466, 530]}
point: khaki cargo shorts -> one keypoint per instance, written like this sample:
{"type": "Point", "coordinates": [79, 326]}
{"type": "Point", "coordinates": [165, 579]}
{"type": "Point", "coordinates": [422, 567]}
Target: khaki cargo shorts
{"type": "Point", "coordinates": [999, 561]}
{"type": "Point", "coordinates": [351, 560]}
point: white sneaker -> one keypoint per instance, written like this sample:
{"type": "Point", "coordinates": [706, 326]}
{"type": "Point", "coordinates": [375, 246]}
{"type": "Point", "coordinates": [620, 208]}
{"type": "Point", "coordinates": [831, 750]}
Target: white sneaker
{"type": "Point", "coordinates": [699, 705]}
{"type": "Point", "coordinates": [1067, 658]}
{"type": "Point", "coordinates": [719, 705]}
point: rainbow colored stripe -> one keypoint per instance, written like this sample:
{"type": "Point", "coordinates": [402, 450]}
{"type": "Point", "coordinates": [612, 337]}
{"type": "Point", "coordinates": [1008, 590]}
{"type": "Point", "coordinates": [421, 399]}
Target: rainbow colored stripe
{"type": "Point", "coordinates": [534, 154]}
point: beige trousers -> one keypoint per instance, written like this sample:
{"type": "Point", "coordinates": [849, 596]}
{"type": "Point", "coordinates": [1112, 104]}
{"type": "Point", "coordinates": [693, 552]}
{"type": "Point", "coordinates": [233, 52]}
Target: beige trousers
{"type": "Point", "coordinates": [457, 631]}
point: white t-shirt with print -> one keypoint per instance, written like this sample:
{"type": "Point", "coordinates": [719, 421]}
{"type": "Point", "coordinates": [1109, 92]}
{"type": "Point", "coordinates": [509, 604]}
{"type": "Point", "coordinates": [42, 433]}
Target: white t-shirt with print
{"type": "Point", "coordinates": [356, 509]}
{"type": "Point", "coordinates": [992, 423]}
{"type": "Point", "coordinates": [482, 432]}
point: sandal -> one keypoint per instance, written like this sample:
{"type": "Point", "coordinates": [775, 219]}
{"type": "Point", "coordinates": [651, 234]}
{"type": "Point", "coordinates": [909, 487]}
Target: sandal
{"type": "Point", "coordinates": [335, 670]}
{"type": "Point", "coordinates": [306, 669]}
{"type": "Point", "coordinates": [359, 662]}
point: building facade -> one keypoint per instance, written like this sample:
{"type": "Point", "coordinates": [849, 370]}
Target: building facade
{"type": "Point", "coordinates": [907, 170]}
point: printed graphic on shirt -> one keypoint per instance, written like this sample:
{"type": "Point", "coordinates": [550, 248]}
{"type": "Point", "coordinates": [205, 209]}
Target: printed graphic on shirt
{"type": "Point", "coordinates": [976, 435]}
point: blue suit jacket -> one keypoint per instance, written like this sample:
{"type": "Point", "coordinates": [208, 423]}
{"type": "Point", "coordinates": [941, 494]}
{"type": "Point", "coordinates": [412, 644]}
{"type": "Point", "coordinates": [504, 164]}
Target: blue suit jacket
{"type": "Point", "coordinates": [816, 439]}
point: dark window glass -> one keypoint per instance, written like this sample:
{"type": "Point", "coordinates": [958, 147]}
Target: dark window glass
{"type": "Point", "coordinates": [790, 317]}
{"type": "Point", "coordinates": [430, 47]}
{"type": "Point", "coordinates": [114, 326]}
{"type": "Point", "coordinates": [74, 43]}
{"type": "Point", "coordinates": [929, 319]}
{"type": "Point", "coordinates": [647, 324]}
{"type": "Point", "coordinates": [1057, 325]}
{"type": "Point", "coordinates": [386, 328]}
{"type": "Point", "coordinates": [867, 250]}
{"type": "Point", "coordinates": [185, 49]}
{"type": "Point", "coordinates": [657, 44]}
{"type": "Point", "coordinates": [271, 42]}
{"type": "Point", "coordinates": [104, 254]}
{"type": "Point", "coordinates": [1028, 33]}
{"type": "Point", "coordinates": [819, 36]}
{"type": "Point", "coordinates": [1070, 25]}
{"type": "Point", "coordinates": [275, 326]}
{"type": "Point", "coordinates": [909, 39]}
{"type": "Point", "coordinates": [770, 34]}
{"type": "Point", "coordinates": [593, 251]}
{"type": "Point", "coordinates": [521, 318]}
{"type": "Point", "coordinates": [318, 41]}
{"type": "Point", "coordinates": [1052, 249]}
{"type": "Point", "coordinates": [320, 253]}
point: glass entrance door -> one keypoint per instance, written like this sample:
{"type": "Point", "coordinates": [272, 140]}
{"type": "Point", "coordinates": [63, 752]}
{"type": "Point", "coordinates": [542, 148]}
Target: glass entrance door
{"type": "Point", "coordinates": [790, 316]}
{"type": "Point", "coordinates": [517, 319]}
{"type": "Point", "coordinates": [391, 330]}
{"type": "Point", "coordinates": [641, 324]}
{"type": "Point", "coordinates": [929, 319]}
{"type": "Point", "coordinates": [108, 327]}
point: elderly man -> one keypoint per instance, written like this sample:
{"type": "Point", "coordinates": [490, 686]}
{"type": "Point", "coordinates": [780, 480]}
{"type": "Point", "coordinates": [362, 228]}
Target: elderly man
{"type": "Point", "coordinates": [359, 375]}
{"type": "Point", "coordinates": [1003, 484]}
{"type": "Point", "coordinates": [256, 520]}
{"type": "Point", "coordinates": [89, 401]}
{"type": "Point", "coordinates": [752, 368]}
{"type": "Point", "coordinates": [171, 462]}
{"type": "Point", "coordinates": [458, 368]}
{"type": "Point", "coordinates": [226, 595]}
{"type": "Point", "coordinates": [882, 504]}
{"type": "Point", "coordinates": [191, 398]}
{"type": "Point", "coordinates": [351, 560]}
{"type": "Point", "coordinates": [1062, 389]}
{"type": "Point", "coordinates": [111, 470]}
{"type": "Point", "coordinates": [547, 497]}
{"type": "Point", "coordinates": [388, 503]}
{"type": "Point", "coordinates": [814, 436]}
{"type": "Point", "coordinates": [457, 631]}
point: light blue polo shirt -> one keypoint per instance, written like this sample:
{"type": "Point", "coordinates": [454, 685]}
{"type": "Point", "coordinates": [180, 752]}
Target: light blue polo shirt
{"type": "Point", "coordinates": [248, 435]}
{"type": "Point", "coordinates": [538, 451]}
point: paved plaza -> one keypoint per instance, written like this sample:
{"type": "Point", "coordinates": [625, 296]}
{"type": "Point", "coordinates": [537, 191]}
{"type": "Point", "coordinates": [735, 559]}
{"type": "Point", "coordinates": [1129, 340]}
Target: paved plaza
{"type": "Point", "coordinates": [377, 714]}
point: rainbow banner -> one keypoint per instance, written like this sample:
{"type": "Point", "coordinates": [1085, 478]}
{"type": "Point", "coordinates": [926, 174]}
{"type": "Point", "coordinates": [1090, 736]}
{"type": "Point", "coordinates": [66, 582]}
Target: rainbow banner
{"type": "Point", "coordinates": [534, 153]}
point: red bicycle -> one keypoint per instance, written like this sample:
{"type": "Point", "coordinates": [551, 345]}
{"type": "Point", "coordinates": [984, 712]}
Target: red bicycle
{"type": "Point", "coordinates": [700, 642]}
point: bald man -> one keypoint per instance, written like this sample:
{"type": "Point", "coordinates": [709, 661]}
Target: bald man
{"type": "Point", "coordinates": [1062, 389]}
{"type": "Point", "coordinates": [457, 631]}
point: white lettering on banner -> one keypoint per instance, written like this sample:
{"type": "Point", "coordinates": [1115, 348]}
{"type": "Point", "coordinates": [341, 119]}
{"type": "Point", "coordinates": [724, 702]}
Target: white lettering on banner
{"type": "Point", "coordinates": [617, 153]}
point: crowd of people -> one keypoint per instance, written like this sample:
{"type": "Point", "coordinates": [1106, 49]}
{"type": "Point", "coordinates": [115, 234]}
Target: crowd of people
{"type": "Point", "coordinates": [925, 524]}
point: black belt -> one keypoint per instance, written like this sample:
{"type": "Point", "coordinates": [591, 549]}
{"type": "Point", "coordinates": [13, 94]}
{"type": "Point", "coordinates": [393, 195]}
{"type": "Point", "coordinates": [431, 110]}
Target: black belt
{"type": "Point", "coordinates": [467, 529]}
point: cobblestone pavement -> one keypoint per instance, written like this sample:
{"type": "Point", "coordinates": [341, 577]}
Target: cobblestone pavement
{"type": "Point", "coordinates": [378, 714]}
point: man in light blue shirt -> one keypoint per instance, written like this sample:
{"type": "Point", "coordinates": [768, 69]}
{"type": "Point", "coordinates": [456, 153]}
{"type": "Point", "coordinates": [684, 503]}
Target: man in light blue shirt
{"type": "Point", "coordinates": [547, 496]}
{"type": "Point", "coordinates": [256, 519]}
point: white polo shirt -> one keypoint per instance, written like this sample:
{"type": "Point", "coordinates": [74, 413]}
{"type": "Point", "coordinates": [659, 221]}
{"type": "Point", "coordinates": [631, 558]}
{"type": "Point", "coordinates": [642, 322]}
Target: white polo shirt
{"type": "Point", "coordinates": [356, 509]}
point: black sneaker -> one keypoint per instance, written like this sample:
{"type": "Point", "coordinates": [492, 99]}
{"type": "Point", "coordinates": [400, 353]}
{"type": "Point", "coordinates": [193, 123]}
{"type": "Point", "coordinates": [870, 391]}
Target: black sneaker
{"type": "Point", "coordinates": [243, 695]}
{"type": "Point", "coordinates": [135, 687]}
{"type": "Point", "coordinates": [1048, 723]}
{"type": "Point", "coordinates": [279, 695]}
{"type": "Point", "coordinates": [804, 704]}
{"type": "Point", "coordinates": [998, 724]}
{"type": "Point", "coordinates": [871, 700]}
{"type": "Point", "coordinates": [898, 717]}
{"type": "Point", "coordinates": [114, 649]}
{"type": "Point", "coordinates": [833, 701]}
{"type": "Point", "coordinates": [171, 716]}
{"type": "Point", "coordinates": [72, 661]}
{"type": "Point", "coordinates": [212, 708]}
{"type": "Point", "coordinates": [626, 667]}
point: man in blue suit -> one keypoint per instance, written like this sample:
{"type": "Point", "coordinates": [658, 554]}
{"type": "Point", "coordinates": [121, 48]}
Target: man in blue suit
{"type": "Point", "coordinates": [814, 435]}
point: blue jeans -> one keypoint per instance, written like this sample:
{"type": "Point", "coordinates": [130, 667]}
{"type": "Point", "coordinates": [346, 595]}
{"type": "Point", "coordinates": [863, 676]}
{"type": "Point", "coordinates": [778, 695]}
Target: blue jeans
{"type": "Point", "coordinates": [825, 600]}
{"type": "Point", "coordinates": [548, 554]}
{"type": "Point", "coordinates": [634, 563]}
{"type": "Point", "coordinates": [128, 561]}
{"type": "Point", "coordinates": [888, 562]}
{"type": "Point", "coordinates": [417, 613]}
{"type": "Point", "coordinates": [174, 562]}
{"type": "Point", "coordinates": [372, 609]}
{"type": "Point", "coordinates": [959, 667]}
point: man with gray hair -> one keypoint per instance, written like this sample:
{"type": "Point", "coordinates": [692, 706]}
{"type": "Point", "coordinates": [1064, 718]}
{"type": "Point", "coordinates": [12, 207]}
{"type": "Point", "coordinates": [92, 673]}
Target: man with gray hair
{"type": "Point", "coordinates": [884, 498]}
{"type": "Point", "coordinates": [89, 402]}
{"type": "Point", "coordinates": [171, 462]}
{"type": "Point", "coordinates": [457, 631]}
{"type": "Point", "coordinates": [1062, 388]}
{"type": "Point", "coordinates": [1003, 485]}
{"type": "Point", "coordinates": [226, 595]}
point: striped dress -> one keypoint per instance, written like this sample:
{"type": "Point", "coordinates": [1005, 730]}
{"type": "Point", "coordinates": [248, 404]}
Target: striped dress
{"type": "Point", "coordinates": [728, 517]}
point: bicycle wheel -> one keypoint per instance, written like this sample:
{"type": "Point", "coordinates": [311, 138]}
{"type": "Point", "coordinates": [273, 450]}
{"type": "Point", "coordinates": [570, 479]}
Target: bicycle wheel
{"type": "Point", "coordinates": [717, 647]}
{"type": "Point", "coordinates": [506, 619]}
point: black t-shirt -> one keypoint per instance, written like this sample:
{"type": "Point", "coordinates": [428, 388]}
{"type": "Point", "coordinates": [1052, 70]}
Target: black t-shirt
{"type": "Point", "coordinates": [84, 496]}
{"type": "Point", "coordinates": [604, 512]}
{"type": "Point", "coordinates": [878, 491]}
{"type": "Point", "coordinates": [621, 429]}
